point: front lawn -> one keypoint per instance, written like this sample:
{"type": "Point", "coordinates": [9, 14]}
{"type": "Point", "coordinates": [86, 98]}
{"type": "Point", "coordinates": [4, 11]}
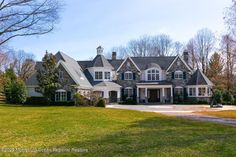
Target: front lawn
{"type": "Point", "coordinates": [110, 132]}
{"type": "Point", "coordinates": [224, 114]}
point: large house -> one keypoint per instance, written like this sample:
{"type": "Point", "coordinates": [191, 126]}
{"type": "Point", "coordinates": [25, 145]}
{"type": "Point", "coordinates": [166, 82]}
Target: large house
{"type": "Point", "coordinates": [163, 79]}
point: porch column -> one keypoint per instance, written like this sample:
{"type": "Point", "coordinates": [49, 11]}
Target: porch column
{"type": "Point", "coordinates": [118, 95]}
{"type": "Point", "coordinates": [163, 95]}
{"type": "Point", "coordinates": [171, 95]}
{"type": "Point", "coordinates": [137, 96]}
{"type": "Point", "coordinates": [146, 96]}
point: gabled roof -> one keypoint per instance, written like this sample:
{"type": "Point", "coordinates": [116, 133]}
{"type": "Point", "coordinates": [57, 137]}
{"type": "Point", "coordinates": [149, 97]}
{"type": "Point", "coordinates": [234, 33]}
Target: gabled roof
{"type": "Point", "coordinates": [163, 61]}
{"type": "Point", "coordinates": [125, 61]}
{"type": "Point", "coordinates": [70, 65]}
{"type": "Point", "coordinates": [181, 60]}
{"type": "Point", "coordinates": [115, 63]}
{"type": "Point", "coordinates": [32, 81]}
{"type": "Point", "coordinates": [198, 78]}
{"type": "Point", "coordinates": [73, 69]}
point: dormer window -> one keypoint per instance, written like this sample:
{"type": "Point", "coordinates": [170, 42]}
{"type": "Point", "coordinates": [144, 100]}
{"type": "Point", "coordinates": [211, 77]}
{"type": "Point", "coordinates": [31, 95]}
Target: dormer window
{"type": "Point", "coordinates": [98, 75]}
{"type": "Point", "coordinates": [107, 75]}
{"type": "Point", "coordinates": [128, 75]}
{"type": "Point", "coordinates": [178, 74]}
{"type": "Point", "coordinates": [153, 75]}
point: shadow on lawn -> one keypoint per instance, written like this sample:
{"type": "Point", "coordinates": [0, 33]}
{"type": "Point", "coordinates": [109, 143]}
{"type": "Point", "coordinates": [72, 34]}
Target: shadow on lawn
{"type": "Point", "coordinates": [160, 136]}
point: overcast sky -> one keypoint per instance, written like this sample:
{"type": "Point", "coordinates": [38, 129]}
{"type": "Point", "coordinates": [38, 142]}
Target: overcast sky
{"type": "Point", "coordinates": [86, 24]}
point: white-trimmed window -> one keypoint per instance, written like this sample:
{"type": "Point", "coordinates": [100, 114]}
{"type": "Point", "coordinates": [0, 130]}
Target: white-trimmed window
{"type": "Point", "coordinates": [153, 75]}
{"type": "Point", "coordinates": [107, 75]}
{"type": "Point", "coordinates": [61, 95]}
{"type": "Point", "coordinates": [201, 91]}
{"type": "Point", "coordinates": [128, 91]}
{"type": "Point", "coordinates": [192, 92]}
{"type": "Point", "coordinates": [98, 75]}
{"type": "Point", "coordinates": [128, 75]}
{"type": "Point", "coordinates": [179, 90]}
{"type": "Point", "coordinates": [179, 74]}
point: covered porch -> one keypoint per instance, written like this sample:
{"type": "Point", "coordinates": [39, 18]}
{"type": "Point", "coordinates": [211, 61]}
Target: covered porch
{"type": "Point", "coordinates": [110, 91]}
{"type": "Point", "coordinates": [154, 93]}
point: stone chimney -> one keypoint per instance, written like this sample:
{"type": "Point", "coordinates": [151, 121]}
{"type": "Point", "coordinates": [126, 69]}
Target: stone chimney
{"type": "Point", "coordinates": [186, 56]}
{"type": "Point", "coordinates": [113, 55]}
{"type": "Point", "coordinates": [99, 50]}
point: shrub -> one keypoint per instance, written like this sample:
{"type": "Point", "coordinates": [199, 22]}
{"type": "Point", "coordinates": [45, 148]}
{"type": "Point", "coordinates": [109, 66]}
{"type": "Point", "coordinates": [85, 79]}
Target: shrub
{"type": "Point", "coordinates": [15, 91]}
{"type": "Point", "coordinates": [202, 102]}
{"type": "Point", "coordinates": [80, 100]}
{"type": "Point", "coordinates": [101, 103]}
{"type": "Point", "coordinates": [218, 96]}
{"type": "Point", "coordinates": [227, 97]}
{"type": "Point", "coordinates": [36, 101]}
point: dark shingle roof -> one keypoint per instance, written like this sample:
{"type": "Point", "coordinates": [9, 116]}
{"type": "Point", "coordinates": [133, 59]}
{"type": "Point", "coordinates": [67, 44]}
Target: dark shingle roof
{"type": "Point", "coordinates": [116, 63]}
{"type": "Point", "coordinates": [32, 81]}
{"type": "Point", "coordinates": [144, 62]}
{"type": "Point", "coordinates": [101, 61]}
{"type": "Point", "coordinates": [198, 78]}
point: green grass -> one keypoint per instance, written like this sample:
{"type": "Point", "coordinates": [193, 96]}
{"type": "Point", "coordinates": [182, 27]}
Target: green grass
{"type": "Point", "coordinates": [111, 132]}
{"type": "Point", "coordinates": [224, 114]}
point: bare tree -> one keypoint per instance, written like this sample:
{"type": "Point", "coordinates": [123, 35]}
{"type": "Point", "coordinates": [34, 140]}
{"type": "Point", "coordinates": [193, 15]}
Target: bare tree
{"type": "Point", "coordinates": [162, 45]}
{"type": "Point", "coordinates": [27, 69]}
{"type": "Point", "coordinates": [230, 17]}
{"type": "Point", "coordinates": [178, 47]}
{"type": "Point", "coordinates": [121, 52]}
{"type": "Point", "coordinates": [27, 17]}
{"type": "Point", "coordinates": [192, 54]}
{"type": "Point", "coordinates": [229, 51]}
{"type": "Point", "coordinates": [204, 42]}
{"type": "Point", "coordinates": [140, 47]}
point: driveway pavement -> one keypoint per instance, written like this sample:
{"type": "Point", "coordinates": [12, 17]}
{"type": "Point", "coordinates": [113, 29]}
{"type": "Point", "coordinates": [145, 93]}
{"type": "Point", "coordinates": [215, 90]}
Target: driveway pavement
{"type": "Point", "coordinates": [181, 111]}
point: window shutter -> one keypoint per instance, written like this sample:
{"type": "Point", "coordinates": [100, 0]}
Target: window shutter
{"type": "Point", "coordinates": [122, 76]}
{"type": "Point", "coordinates": [122, 93]}
{"type": "Point", "coordinates": [134, 76]}
{"type": "Point", "coordinates": [134, 94]}
{"type": "Point", "coordinates": [68, 96]}
{"type": "Point", "coordinates": [173, 75]}
{"type": "Point", "coordinates": [184, 75]}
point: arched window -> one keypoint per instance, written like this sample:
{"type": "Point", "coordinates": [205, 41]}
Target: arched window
{"type": "Point", "coordinates": [153, 75]}
{"type": "Point", "coordinates": [61, 95]}
{"type": "Point", "coordinates": [179, 74]}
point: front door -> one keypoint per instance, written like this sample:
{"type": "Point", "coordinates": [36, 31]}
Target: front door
{"type": "Point", "coordinates": [154, 95]}
{"type": "Point", "coordinates": [113, 96]}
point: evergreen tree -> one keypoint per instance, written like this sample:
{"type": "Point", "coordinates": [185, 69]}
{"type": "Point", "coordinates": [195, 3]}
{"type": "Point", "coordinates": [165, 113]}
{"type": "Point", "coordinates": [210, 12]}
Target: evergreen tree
{"type": "Point", "coordinates": [48, 77]}
{"type": "Point", "coordinates": [215, 71]}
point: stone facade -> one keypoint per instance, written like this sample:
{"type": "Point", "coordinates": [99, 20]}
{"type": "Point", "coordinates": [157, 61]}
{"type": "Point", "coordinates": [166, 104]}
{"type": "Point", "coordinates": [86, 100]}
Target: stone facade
{"type": "Point", "coordinates": [66, 82]}
{"type": "Point", "coordinates": [128, 66]}
{"type": "Point", "coordinates": [178, 65]}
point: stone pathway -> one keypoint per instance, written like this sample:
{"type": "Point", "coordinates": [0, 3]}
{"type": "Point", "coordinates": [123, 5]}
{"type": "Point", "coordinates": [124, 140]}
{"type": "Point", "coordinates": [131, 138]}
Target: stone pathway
{"type": "Point", "coordinates": [182, 111]}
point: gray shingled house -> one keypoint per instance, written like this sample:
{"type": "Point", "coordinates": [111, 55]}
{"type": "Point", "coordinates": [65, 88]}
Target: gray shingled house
{"type": "Point", "coordinates": [144, 79]}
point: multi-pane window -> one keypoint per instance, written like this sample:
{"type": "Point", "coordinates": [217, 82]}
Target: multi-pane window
{"type": "Point", "coordinates": [201, 91]}
{"type": "Point", "coordinates": [61, 96]}
{"type": "Point", "coordinates": [178, 75]}
{"type": "Point", "coordinates": [128, 92]}
{"type": "Point", "coordinates": [192, 91]}
{"type": "Point", "coordinates": [128, 75]}
{"type": "Point", "coordinates": [179, 91]}
{"type": "Point", "coordinates": [153, 75]}
{"type": "Point", "coordinates": [107, 75]}
{"type": "Point", "coordinates": [98, 75]}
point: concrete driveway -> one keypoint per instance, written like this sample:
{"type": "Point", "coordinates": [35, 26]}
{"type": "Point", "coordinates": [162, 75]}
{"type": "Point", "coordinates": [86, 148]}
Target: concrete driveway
{"type": "Point", "coordinates": [181, 111]}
